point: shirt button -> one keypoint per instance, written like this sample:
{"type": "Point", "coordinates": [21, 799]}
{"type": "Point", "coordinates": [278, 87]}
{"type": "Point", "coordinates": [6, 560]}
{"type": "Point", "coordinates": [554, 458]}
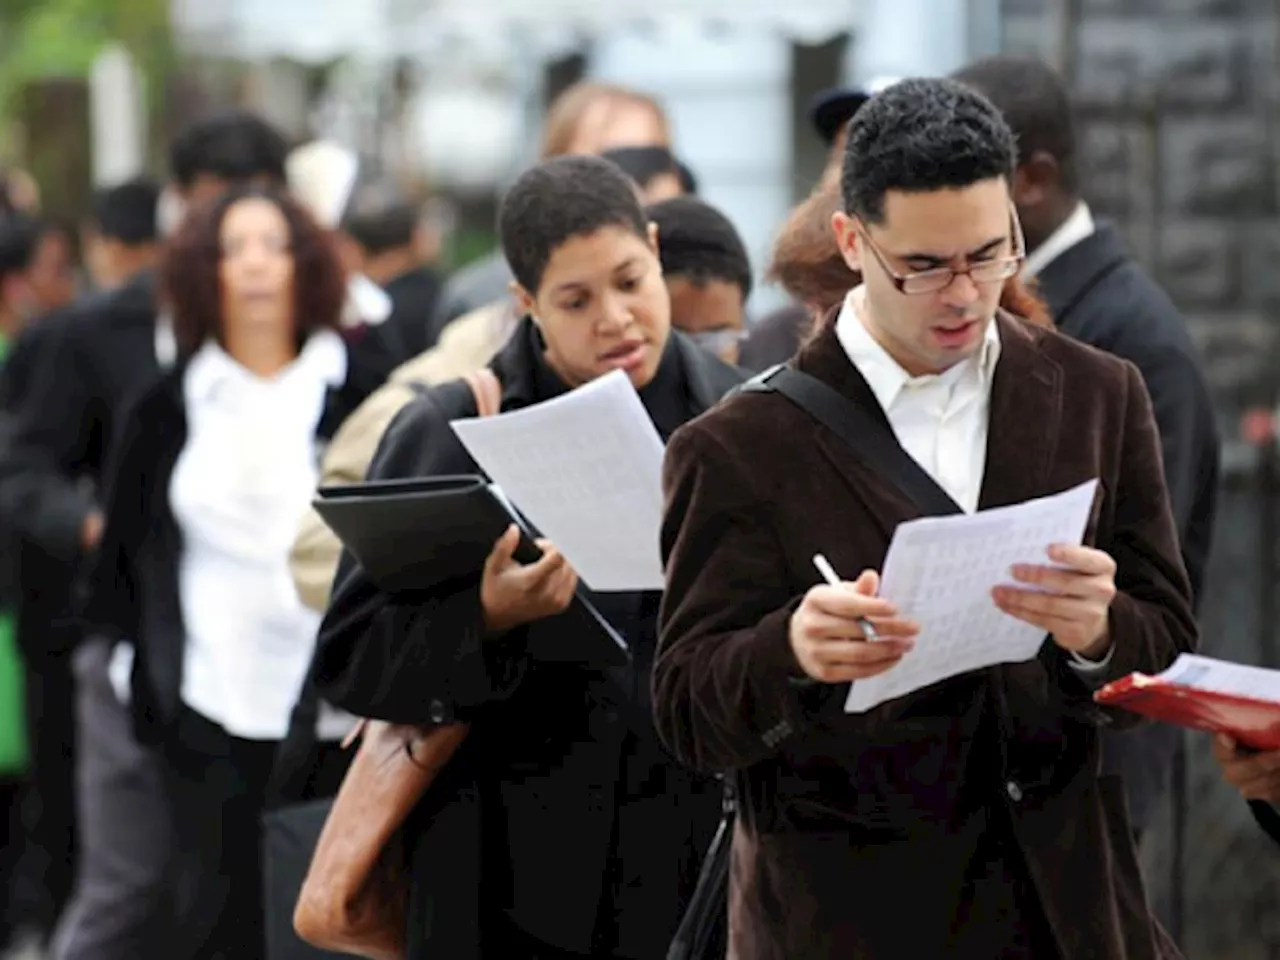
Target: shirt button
{"type": "Point", "coordinates": [1014, 791]}
{"type": "Point", "coordinates": [438, 712]}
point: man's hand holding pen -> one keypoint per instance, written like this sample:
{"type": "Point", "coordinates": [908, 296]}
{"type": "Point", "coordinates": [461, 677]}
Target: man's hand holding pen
{"type": "Point", "coordinates": [829, 630]}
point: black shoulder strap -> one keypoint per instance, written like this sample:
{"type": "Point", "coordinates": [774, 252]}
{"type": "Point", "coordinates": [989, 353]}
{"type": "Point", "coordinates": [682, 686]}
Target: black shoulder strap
{"type": "Point", "coordinates": [870, 437]}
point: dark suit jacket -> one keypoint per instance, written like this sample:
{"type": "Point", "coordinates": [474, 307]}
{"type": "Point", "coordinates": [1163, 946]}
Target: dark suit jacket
{"type": "Point", "coordinates": [1100, 296]}
{"type": "Point", "coordinates": [1268, 818]}
{"type": "Point", "coordinates": [89, 363]}
{"type": "Point", "coordinates": [413, 299]}
{"type": "Point", "coordinates": [562, 765]}
{"type": "Point", "coordinates": [858, 834]}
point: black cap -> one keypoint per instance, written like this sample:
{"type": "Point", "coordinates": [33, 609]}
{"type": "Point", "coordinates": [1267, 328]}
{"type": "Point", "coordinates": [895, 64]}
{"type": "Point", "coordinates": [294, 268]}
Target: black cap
{"type": "Point", "coordinates": [831, 109]}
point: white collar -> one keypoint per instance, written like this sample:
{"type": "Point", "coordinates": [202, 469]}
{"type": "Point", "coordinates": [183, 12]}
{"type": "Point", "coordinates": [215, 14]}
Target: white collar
{"type": "Point", "coordinates": [323, 358]}
{"type": "Point", "coordinates": [1079, 226]}
{"type": "Point", "coordinates": [884, 375]}
{"type": "Point", "coordinates": [165, 342]}
{"type": "Point", "coordinates": [366, 303]}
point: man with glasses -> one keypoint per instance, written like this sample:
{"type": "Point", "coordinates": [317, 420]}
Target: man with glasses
{"type": "Point", "coordinates": [966, 819]}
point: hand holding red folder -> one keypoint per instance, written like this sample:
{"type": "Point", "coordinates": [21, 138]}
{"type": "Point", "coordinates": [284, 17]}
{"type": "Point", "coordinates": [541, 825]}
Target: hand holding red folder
{"type": "Point", "coordinates": [1256, 775]}
{"type": "Point", "coordinates": [1239, 701]}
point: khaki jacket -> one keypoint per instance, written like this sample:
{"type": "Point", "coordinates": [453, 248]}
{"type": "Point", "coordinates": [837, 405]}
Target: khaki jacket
{"type": "Point", "coordinates": [466, 344]}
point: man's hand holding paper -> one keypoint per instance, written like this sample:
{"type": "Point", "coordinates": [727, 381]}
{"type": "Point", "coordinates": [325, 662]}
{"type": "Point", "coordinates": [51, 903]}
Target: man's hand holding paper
{"type": "Point", "coordinates": [953, 575]}
{"type": "Point", "coordinates": [1070, 601]}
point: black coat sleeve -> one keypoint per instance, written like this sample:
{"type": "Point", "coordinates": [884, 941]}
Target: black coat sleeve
{"type": "Point", "coordinates": [1268, 818]}
{"type": "Point", "coordinates": [46, 436]}
{"type": "Point", "coordinates": [418, 656]}
{"type": "Point", "coordinates": [108, 601]}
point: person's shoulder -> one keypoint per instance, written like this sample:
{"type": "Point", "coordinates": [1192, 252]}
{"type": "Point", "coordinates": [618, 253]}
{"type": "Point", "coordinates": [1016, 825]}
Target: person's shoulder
{"type": "Point", "coordinates": [740, 423]}
{"type": "Point", "coordinates": [431, 408]}
{"type": "Point", "coordinates": [478, 277]}
{"type": "Point", "coordinates": [719, 377]}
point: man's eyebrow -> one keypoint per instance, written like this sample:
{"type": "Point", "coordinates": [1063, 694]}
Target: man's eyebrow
{"type": "Point", "coordinates": [986, 248]}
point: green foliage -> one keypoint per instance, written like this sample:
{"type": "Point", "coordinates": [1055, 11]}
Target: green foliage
{"type": "Point", "coordinates": [61, 38]}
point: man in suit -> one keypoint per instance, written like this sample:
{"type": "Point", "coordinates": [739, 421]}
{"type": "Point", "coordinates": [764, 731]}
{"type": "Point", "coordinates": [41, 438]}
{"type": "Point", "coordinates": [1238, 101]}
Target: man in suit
{"type": "Point", "coordinates": [966, 819]}
{"type": "Point", "coordinates": [386, 236]}
{"type": "Point", "coordinates": [86, 364]}
{"type": "Point", "coordinates": [1098, 294]}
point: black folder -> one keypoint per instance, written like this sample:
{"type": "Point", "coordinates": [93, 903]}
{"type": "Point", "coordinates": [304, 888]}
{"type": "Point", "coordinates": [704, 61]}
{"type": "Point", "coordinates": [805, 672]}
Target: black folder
{"type": "Point", "coordinates": [411, 535]}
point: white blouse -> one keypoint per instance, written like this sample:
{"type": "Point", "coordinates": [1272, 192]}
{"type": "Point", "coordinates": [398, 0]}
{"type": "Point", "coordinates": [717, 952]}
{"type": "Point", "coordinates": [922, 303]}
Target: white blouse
{"type": "Point", "coordinates": [239, 489]}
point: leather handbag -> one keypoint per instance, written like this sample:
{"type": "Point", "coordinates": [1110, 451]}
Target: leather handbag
{"type": "Point", "coordinates": [356, 893]}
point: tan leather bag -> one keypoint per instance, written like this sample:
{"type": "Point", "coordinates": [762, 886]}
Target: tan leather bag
{"type": "Point", "coordinates": [356, 894]}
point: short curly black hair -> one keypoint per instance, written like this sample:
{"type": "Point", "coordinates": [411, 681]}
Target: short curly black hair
{"type": "Point", "coordinates": [698, 242]}
{"type": "Point", "coordinates": [922, 135]}
{"type": "Point", "coordinates": [561, 198]}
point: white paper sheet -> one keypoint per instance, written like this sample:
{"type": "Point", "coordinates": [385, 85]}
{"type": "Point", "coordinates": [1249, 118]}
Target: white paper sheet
{"type": "Point", "coordinates": [940, 571]}
{"type": "Point", "coordinates": [1222, 676]}
{"type": "Point", "coordinates": [586, 470]}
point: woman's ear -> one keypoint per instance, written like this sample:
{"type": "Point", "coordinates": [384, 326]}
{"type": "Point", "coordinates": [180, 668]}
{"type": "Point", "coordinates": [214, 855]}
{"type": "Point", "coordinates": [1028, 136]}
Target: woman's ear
{"type": "Point", "coordinates": [653, 237]}
{"type": "Point", "coordinates": [522, 297]}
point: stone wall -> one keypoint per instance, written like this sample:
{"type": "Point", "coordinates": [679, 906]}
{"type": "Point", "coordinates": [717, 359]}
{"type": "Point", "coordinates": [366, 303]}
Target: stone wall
{"type": "Point", "coordinates": [1179, 104]}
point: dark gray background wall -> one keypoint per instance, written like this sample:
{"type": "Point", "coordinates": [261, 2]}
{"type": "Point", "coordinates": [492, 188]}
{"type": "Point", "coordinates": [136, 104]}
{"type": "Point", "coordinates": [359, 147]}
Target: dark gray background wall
{"type": "Point", "coordinates": [1179, 104]}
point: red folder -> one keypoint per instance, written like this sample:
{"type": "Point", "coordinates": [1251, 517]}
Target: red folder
{"type": "Point", "coordinates": [1253, 723]}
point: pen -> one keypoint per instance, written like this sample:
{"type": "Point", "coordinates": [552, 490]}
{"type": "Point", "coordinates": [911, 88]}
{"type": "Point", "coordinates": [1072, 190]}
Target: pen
{"type": "Point", "coordinates": [829, 574]}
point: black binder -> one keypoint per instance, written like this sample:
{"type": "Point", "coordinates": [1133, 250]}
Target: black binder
{"type": "Point", "coordinates": [411, 535]}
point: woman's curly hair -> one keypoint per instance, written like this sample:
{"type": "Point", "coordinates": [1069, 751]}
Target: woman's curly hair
{"type": "Point", "coordinates": [189, 275]}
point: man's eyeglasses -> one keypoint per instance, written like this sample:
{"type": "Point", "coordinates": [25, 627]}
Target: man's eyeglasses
{"type": "Point", "coordinates": [995, 270]}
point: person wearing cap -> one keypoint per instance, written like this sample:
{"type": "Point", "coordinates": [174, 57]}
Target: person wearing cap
{"type": "Point", "coordinates": [775, 338]}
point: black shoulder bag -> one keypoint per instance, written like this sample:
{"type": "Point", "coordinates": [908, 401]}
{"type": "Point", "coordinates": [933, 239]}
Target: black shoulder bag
{"type": "Point", "coordinates": [703, 932]}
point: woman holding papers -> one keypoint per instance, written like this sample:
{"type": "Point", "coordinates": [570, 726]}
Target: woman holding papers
{"type": "Point", "coordinates": [215, 466]}
{"type": "Point", "coordinates": [561, 829]}
{"type": "Point", "coordinates": [966, 818]}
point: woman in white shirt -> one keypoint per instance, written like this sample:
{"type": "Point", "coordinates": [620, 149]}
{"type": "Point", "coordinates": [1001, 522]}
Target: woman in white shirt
{"type": "Point", "coordinates": [216, 466]}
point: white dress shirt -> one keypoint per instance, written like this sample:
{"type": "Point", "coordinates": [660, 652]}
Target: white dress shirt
{"type": "Point", "coordinates": [941, 420]}
{"type": "Point", "coordinates": [239, 489]}
{"type": "Point", "coordinates": [1079, 226]}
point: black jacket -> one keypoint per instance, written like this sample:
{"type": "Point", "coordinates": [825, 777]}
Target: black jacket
{"type": "Point", "coordinates": [413, 298]}
{"type": "Point", "coordinates": [1099, 295]}
{"type": "Point", "coordinates": [131, 590]}
{"type": "Point", "coordinates": [591, 836]}
{"type": "Point", "coordinates": [1268, 818]}
{"type": "Point", "coordinates": [69, 377]}
{"type": "Point", "coordinates": [87, 363]}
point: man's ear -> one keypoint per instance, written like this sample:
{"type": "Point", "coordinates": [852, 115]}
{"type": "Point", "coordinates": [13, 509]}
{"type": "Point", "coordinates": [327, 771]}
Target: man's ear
{"type": "Point", "coordinates": [1035, 178]}
{"type": "Point", "coordinates": [848, 239]}
{"type": "Point", "coordinates": [653, 237]}
{"type": "Point", "coordinates": [523, 299]}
